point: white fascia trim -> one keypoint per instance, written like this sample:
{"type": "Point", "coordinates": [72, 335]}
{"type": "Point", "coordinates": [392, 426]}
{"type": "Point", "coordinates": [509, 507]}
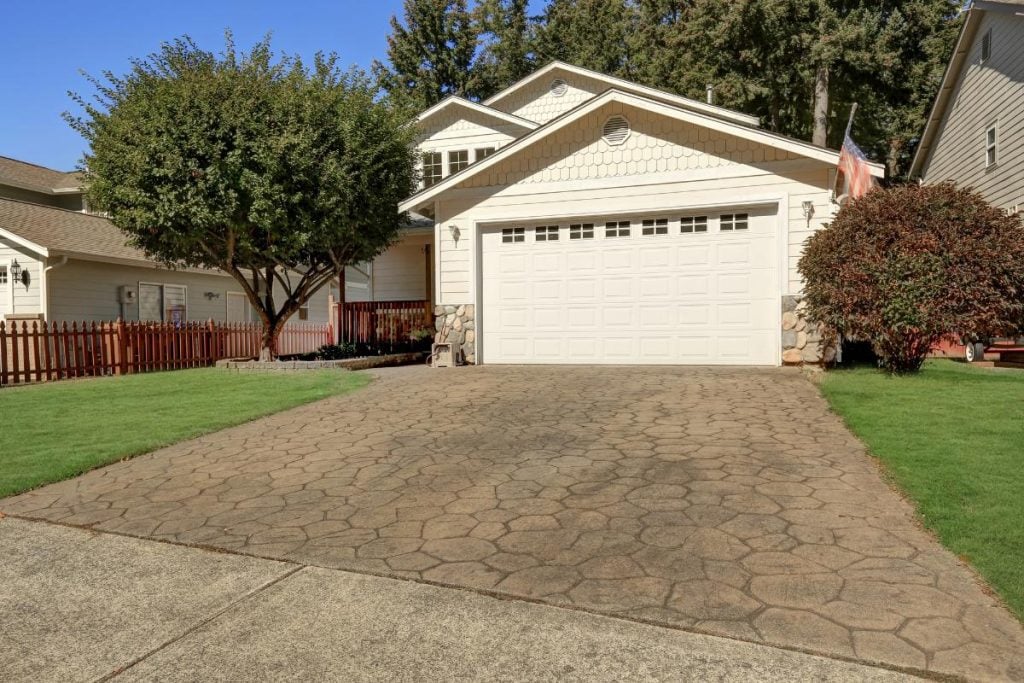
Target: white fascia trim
{"type": "Point", "coordinates": [753, 134]}
{"type": "Point", "coordinates": [456, 101]}
{"type": "Point", "coordinates": [950, 78]}
{"type": "Point", "coordinates": [622, 84]}
{"type": "Point", "coordinates": [21, 241]}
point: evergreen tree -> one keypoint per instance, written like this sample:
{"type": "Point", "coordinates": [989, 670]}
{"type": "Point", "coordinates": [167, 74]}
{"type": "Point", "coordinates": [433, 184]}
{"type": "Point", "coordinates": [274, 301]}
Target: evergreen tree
{"type": "Point", "coordinates": [588, 33]}
{"type": "Point", "coordinates": [430, 56]}
{"type": "Point", "coordinates": [506, 53]}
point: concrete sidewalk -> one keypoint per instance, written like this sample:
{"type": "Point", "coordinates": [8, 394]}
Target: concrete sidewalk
{"type": "Point", "coordinates": [78, 605]}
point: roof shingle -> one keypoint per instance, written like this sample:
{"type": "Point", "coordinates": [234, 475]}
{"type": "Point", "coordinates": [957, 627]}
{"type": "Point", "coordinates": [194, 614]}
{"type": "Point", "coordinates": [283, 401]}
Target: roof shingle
{"type": "Point", "coordinates": [31, 176]}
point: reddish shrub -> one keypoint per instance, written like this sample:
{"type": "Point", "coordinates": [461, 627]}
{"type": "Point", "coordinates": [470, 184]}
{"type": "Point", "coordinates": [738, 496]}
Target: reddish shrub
{"type": "Point", "coordinates": [909, 266]}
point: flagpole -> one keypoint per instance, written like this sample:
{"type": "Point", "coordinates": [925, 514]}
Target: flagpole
{"type": "Point", "coordinates": [849, 126]}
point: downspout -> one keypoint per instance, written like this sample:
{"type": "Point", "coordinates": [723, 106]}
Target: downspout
{"type": "Point", "coordinates": [44, 288]}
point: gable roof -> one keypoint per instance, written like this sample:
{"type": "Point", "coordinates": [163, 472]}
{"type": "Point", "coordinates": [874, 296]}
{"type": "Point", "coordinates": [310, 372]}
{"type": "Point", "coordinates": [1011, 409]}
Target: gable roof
{"type": "Point", "coordinates": [454, 101]}
{"type": "Point", "coordinates": [48, 231]}
{"type": "Point", "coordinates": [758, 135]}
{"type": "Point", "coordinates": [951, 77]}
{"type": "Point", "coordinates": [37, 178]}
{"type": "Point", "coordinates": [621, 84]}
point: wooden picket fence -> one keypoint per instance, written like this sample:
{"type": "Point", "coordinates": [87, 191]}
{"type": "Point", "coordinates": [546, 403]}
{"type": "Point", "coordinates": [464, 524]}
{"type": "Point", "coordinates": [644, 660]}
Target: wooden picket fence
{"type": "Point", "coordinates": [39, 352]}
{"type": "Point", "coordinates": [383, 324]}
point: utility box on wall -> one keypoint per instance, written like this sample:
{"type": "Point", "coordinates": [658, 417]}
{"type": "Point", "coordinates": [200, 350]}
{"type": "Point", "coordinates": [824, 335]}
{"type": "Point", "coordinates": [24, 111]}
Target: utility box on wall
{"type": "Point", "coordinates": [127, 295]}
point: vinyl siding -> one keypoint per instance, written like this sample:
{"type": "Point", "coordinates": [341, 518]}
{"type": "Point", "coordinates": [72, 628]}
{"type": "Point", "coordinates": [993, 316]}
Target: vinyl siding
{"type": "Point", "coordinates": [88, 290]}
{"type": "Point", "coordinates": [400, 273]}
{"type": "Point", "coordinates": [664, 166]}
{"type": "Point", "coordinates": [987, 93]}
{"type": "Point", "coordinates": [26, 300]}
{"type": "Point", "coordinates": [462, 129]}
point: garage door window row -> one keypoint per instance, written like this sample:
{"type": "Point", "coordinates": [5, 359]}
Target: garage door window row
{"type": "Point", "coordinates": [688, 225]}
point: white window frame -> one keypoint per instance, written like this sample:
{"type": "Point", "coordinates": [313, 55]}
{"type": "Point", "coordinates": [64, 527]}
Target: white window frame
{"type": "Point", "coordinates": [733, 222]}
{"type": "Point", "coordinates": [481, 153]}
{"type": "Point", "coordinates": [545, 233]}
{"type": "Point", "coordinates": [4, 277]}
{"type": "Point", "coordinates": [617, 229]}
{"type": "Point", "coordinates": [438, 164]}
{"type": "Point", "coordinates": [163, 298]}
{"type": "Point", "coordinates": [581, 231]}
{"type": "Point", "coordinates": [693, 225]}
{"type": "Point", "coordinates": [650, 227]}
{"type": "Point", "coordinates": [513, 235]}
{"type": "Point", "coordinates": [991, 146]}
{"type": "Point", "coordinates": [464, 163]}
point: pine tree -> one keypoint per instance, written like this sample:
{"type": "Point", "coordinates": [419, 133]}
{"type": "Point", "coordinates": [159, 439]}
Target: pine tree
{"type": "Point", "coordinates": [506, 53]}
{"type": "Point", "coordinates": [587, 33]}
{"type": "Point", "coordinates": [430, 56]}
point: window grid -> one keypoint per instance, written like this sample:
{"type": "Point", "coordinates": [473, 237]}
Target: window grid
{"type": "Point", "coordinates": [513, 235]}
{"type": "Point", "coordinates": [616, 229]}
{"type": "Point", "coordinates": [431, 168]}
{"type": "Point", "coordinates": [3, 275]}
{"type": "Point", "coordinates": [483, 152]}
{"type": "Point", "coordinates": [546, 233]}
{"type": "Point", "coordinates": [691, 224]}
{"type": "Point", "coordinates": [733, 221]}
{"type": "Point", "coordinates": [655, 226]}
{"type": "Point", "coordinates": [581, 231]}
{"type": "Point", "coordinates": [986, 46]}
{"type": "Point", "coordinates": [457, 160]}
{"type": "Point", "coordinates": [990, 147]}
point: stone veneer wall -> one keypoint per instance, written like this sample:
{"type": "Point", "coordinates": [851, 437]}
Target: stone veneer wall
{"type": "Point", "coordinates": [457, 325]}
{"type": "Point", "coordinates": [801, 339]}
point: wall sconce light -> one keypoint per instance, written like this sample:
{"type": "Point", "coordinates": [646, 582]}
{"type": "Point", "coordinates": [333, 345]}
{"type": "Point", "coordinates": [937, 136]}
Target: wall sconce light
{"type": "Point", "coordinates": [18, 273]}
{"type": "Point", "coordinates": [808, 207]}
{"type": "Point", "coordinates": [210, 296]}
{"type": "Point", "coordinates": [456, 233]}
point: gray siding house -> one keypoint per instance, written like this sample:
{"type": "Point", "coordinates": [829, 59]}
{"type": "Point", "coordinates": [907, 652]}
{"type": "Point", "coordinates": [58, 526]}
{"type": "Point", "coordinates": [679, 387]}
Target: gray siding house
{"type": "Point", "coordinates": [975, 133]}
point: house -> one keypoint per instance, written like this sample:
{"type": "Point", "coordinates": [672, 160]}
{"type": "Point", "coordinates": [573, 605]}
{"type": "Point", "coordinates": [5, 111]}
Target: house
{"type": "Point", "coordinates": [59, 262]}
{"type": "Point", "coordinates": [581, 218]}
{"type": "Point", "coordinates": [975, 132]}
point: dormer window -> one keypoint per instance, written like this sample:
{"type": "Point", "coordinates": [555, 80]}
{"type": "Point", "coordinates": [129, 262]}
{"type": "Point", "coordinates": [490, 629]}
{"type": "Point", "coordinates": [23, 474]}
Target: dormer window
{"type": "Point", "coordinates": [432, 168]}
{"type": "Point", "coordinates": [457, 160]}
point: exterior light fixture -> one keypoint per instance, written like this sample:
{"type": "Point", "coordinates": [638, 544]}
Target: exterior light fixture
{"type": "Point", "coordinates": [15, 270]}
{"type": "Point", "coordinates": [808, 207]}
{"type": "Point", "coordinates": [456, 233]}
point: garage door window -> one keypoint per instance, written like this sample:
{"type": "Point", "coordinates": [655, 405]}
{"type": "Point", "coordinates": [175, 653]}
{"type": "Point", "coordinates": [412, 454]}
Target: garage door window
{"type": "Point", "coordinates": [616, 229]}
{"type": "Point", "coordinates": [656, 226]}
{"type": "Point", "coordinates": [581, 231]}
{"type": "Point", "coordinates": [546, 233]}
{"type": "Point", "coordinates": [513, 235]}
{"type": "Point", "coordinates": [733, 221]}
{"type": "Point", "coordinates": [691, 224]}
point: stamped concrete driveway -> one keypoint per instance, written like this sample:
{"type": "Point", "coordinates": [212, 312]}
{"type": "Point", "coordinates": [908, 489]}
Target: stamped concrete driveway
{"type": "Point", "coordinates": [727, 501]}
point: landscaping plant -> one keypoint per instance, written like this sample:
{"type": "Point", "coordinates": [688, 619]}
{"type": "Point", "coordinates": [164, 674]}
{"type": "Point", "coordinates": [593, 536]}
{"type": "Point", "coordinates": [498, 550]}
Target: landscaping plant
{"type": "Point", "coordinates": [278, 173]}
{"type": "Point", "coordinates": [909, 266]}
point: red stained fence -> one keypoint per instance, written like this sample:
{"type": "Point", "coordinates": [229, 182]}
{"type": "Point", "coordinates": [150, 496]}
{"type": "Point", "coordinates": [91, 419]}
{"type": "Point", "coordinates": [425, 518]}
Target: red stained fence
{"type": "Point", "coordinates": [36, 352]}
{"type": "Point", "coordinates": [384, 324]}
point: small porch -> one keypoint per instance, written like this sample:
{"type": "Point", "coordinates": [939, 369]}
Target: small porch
{"type": "Point", "coordinates": [388, 304]}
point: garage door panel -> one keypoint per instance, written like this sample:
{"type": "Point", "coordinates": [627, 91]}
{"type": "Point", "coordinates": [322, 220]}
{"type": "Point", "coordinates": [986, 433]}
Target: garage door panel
{"type": "Point", "coordinates": [699, 298]}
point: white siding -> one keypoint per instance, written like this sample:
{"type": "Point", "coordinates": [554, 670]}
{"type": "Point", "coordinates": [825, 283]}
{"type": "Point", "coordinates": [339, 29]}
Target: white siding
{"type": "Point", "coordinates": [400, 273]}
{"type": "Point", "coordinates": [536, 102]}
{"type": "Point", "coordinates": [25, 299]}
{"type": "Point", "coordinates": [88, 290]}
{"type": "Point", "coordinates": [986, 94]}
{"type": "Point", "coordinates": [462, 129]}
{"type": "Point", "coordinates": [665, 165]}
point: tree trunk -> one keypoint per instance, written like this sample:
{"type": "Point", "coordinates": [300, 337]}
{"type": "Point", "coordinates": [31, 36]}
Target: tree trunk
{"type": "Point", "coordinates": [820, 135]}
{"type": "Point", "coordinates": [268, 344]}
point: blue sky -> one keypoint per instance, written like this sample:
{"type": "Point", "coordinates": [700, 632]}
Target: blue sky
{"type": "Point", "coordinates": [44, 51]}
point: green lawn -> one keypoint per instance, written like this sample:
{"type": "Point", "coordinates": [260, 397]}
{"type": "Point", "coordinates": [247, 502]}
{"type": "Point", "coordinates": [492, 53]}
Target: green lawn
{"type": "Point", "coordinates": [953, 438]}
{"type": "Point", "coordinates": [58, 430]}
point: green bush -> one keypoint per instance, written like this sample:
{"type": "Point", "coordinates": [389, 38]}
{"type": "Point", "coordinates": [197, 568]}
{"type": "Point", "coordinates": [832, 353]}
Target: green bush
{"type": "Point", "coordinates": [909, 266]}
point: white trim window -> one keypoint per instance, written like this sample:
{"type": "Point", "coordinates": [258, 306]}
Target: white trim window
{"type": "Point", "coordinates": [991, 153]}
{"type": "Point", "coordinates": [581, 231]}
{"type": "Point", "coordinates": [693, 224]}
{"type": "Point", "coordinates": [432, 168]}
{"type": "Point", "coordinates": [616, 229]}
{"type": "Point", "coordinates": [482, 153]}
{"type": "Point", "coordinates": [513, 235]}
{"type": "Point", "coordinates": [163, 303]}
{"type": "Point", "coordinates": [546, 233]}
{"type": "Point", "coordinates": [655, 226]}
{"type": "Point", "coordinates": [729, 222]}
{"type": "Point", "coordinates": [458, 159]}
{"type": "Point", "coordinates": [3, 275]}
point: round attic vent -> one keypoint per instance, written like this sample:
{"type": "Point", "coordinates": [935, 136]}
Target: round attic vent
{"type": "Point", "coordinates": [558, 87]}
{"type": "Point", "coordinates": [616, 130]}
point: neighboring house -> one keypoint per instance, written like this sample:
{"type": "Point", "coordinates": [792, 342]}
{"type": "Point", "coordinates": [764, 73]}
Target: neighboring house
{"type": "Point", "coordinates": [76, 266]}
{"type": "Point", "coordinates": [975, 133]}
{"type": "Point", "coordinates": [580, 218]}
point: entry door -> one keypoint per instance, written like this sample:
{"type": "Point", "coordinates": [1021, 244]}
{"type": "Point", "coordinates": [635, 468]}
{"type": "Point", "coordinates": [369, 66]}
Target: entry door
{"type": "Point", "coordinates": [237, 306]}
{"type": "Point", "coordinates": [694, 288]}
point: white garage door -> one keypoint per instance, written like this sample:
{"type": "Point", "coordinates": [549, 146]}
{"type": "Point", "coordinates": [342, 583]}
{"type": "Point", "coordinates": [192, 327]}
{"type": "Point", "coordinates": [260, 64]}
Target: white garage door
{"type": "Point", "coordinates": [700, 288]}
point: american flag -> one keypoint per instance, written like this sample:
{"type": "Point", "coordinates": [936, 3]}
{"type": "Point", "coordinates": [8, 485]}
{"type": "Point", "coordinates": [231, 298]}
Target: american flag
{"type": "Point", "coordinates": [855, 169]}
